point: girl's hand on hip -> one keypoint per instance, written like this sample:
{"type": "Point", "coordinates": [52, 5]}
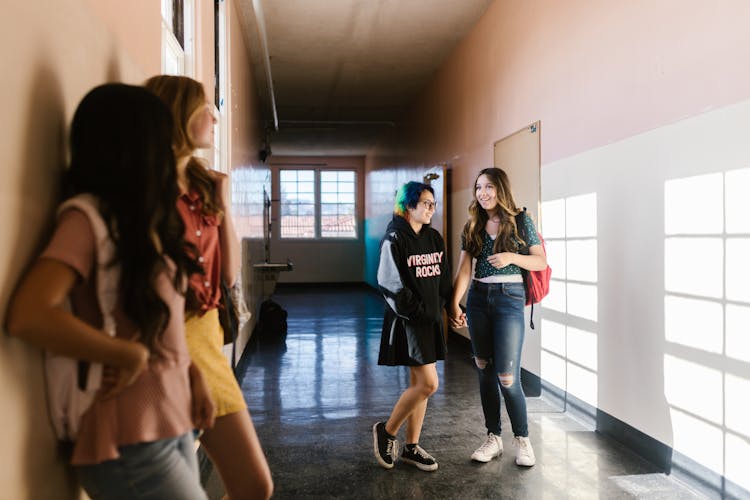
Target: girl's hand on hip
{"type": "Point", "coordinates": [134, 360]}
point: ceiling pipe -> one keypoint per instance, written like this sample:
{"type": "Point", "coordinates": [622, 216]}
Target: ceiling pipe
{"type": "Point", "coordinates": [261, 23]}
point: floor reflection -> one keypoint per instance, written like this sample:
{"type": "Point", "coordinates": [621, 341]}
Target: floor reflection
{"type": "Point", "coordinates": [315, 397]}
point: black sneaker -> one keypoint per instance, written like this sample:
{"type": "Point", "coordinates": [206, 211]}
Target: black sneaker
{"type": "Point", "coordinates": [416, 456]}
{"type": "Point", "coordinates": [384, 445]}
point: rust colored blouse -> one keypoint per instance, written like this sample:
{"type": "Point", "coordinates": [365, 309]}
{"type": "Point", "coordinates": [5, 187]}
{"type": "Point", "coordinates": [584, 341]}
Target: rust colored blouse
{"type": "Point", "coordinates": [203, 231]}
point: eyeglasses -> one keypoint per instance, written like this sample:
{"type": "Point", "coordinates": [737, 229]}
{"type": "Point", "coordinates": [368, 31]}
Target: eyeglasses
{"type": "Point", "coordinates": [429, 205]}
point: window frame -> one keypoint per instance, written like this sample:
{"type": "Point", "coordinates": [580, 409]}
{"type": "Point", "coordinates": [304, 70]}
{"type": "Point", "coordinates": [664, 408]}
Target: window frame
{"type": "Point", "coordinates": [177, 36]}
{"type": "Point", "coordinates": [317, 203]}
{"type": "Point", "coordinates": [221, 77]}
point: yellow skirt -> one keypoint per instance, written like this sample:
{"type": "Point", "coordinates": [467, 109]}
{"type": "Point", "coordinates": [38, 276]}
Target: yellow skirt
{"type": "Point", "coordinates": [204, 340]}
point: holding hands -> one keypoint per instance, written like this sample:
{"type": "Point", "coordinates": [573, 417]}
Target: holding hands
{"type": "Point", "coordinates": [456, 316]}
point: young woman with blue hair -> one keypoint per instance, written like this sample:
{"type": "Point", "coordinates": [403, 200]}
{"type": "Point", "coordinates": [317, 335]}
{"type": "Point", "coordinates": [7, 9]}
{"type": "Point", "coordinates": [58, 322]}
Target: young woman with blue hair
{"type": "Point", "coordinates": [414, 277]}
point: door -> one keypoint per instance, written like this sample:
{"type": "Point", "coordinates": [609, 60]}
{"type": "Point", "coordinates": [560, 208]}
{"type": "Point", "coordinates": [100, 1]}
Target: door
{"type": "Point", "coordinates": [438, 177]}
{"type": "Point", "coordinates": [518, 154]}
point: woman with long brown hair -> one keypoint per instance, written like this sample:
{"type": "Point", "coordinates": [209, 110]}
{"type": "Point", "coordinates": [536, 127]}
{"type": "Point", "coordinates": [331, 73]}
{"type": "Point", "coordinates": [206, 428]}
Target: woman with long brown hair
{"type": "Point", "coordinates": [494, 308]}
{"type": "Point", "coordinates": [119, 255]}
{"type": "Point", "coordinates": [204, 203]}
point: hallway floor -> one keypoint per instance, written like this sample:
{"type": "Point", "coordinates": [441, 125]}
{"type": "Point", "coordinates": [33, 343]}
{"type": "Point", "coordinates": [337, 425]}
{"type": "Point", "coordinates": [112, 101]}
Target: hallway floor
{"type": "Point", "coordinates": [315, 399]}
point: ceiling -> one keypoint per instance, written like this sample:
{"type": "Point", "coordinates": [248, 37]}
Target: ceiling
{"type": "Point", "coordinates": [343, 71]}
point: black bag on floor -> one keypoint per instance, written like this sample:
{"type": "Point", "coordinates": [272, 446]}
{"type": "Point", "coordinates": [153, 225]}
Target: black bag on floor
{"type": "Point", "coordinates": [271, 326]}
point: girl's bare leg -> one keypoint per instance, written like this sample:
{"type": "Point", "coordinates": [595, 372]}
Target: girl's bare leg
{"type": "Point", "coordinates": [424, 383]}
{"type": "Point", "coordinates": [234, 448]}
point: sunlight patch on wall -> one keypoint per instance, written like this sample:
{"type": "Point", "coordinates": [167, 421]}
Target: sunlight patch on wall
{"type": "Point", "coordinates": [582, 348]}
{"type": "Point", "coordinates": [738, 339]}
{"type": "Point", "coordinates": [694, 266]}
{"type": "Point", "coordinates": [738, 202]}
{"type": "Point", "coordinates": [694, 323]}
{"type": "Point", "coordinates": [582, 301]}
{"type": "Point", "coordinates": [553, 369]}
{"type": "Point", "coordinates": [707, 313]}
{"type": "Point", "coordinates": [694, 388]}
{"type": "Point", "coordinates": [553, 337]}
{"type": "Point", "coordinates": [582, 383]}
{"type": "Point", "coordinates": [736, 457]}
{"type": "Point", "coordinates": [556, 256]}
{"type": "Point", "coordinates": [556, 298]}
{"type": "Point", "coordinates": [738, 267]}
{"type": "Point", "coordinates": [569, 357]}
{"type": "Point", "coordinates": [737, 412]}
{"type": "Point", "coordinates": [698, 439]}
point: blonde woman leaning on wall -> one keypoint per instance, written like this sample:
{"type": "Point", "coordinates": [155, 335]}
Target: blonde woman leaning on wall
{"type": "Point", "coordinates": [232, 443]}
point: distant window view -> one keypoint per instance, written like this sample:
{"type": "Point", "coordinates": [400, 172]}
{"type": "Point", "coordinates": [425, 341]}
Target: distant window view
{"type": "Point", "coordinates": [325, 212]}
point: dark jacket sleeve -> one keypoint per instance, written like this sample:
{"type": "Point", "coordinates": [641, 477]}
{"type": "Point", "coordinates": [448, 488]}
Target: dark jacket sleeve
{"type": "Point", "coordinates": [400, 298]}
{"type": "Point", "coordinates": [446, 282]}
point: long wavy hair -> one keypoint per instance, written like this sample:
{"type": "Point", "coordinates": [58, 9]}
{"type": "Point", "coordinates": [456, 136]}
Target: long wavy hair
{"type": "Point", "coordinates": [508, 239]}
{"type": "Point", "coordinates": [186, 98]}
{"type": "Point", "coordinates": [120, 144]}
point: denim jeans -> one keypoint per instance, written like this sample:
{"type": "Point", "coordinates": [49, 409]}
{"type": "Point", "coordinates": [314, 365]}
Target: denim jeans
{"type": "Point", "coordinates": [494, 312]}
{"type": "Point", "coordinates": [157, 470]}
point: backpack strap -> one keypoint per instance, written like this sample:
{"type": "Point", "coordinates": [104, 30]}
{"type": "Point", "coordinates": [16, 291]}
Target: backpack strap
{"type": "Point", "coordinates": [107, 279]}
{"type": "Point", "coordinates": [521, 226]}
{"type": "Point", "coordinates": [107, 274]}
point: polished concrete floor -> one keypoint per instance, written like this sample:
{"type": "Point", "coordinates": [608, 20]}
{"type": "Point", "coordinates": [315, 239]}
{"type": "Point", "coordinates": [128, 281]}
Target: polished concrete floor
{"type": "Point", "coordinates": [314, 398]}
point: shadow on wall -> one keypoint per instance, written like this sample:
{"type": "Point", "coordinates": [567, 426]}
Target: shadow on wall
{"type": "Point", "coordinates": [113, 68]}
{"type": "Point", "coordinates": [41, 471]}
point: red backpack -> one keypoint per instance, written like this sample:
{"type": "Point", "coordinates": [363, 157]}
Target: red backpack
{"type": "Point", "coordinates": [536, 283]}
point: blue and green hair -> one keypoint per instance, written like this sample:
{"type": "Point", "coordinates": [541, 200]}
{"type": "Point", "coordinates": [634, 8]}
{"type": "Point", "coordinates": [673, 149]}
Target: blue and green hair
{"type": "Point", "coordinates": [408, 196]}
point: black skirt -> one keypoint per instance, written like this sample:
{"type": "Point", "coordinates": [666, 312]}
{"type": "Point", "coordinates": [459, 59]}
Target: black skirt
{"type": "Point", "coordinates": [403, 343]}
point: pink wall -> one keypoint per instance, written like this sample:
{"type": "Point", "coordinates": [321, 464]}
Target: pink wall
{"type": "Point", "coordinates": [143, 14]}
{"type": "Point", "coordinates": [58, 51]}
{"type": "Point", "coordinates": [245, 133]}
{"type": "Point", "coordinates": [52, 54]}
{"type": "Point", "coordinates": [593, 72]}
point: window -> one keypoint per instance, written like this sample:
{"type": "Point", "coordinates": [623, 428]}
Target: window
{"type": "Point", "coordinates": [318, 203]}
{"type": "Point", "coordinates": [297, 188]}
{"type": "Point", "coordinates": [337, 217]}
{"type": "Point", "coordinates": [177, 37]}
{"type": "Point", "coordinates": [221, 139]}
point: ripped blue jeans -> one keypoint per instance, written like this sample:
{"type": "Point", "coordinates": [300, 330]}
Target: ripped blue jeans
{"type": "Point", "coordinates": [494, 312]}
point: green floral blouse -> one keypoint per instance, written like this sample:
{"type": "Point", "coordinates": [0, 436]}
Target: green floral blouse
{"type": "Point", "coordinates": [483, 268]}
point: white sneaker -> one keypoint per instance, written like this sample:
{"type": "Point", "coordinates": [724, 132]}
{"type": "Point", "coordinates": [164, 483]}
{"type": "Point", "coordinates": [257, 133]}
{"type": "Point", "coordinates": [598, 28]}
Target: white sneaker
{"type": "Point", "coordinates": [491, 448]}
{"type": "Point", "coordinates": [524, 452]}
